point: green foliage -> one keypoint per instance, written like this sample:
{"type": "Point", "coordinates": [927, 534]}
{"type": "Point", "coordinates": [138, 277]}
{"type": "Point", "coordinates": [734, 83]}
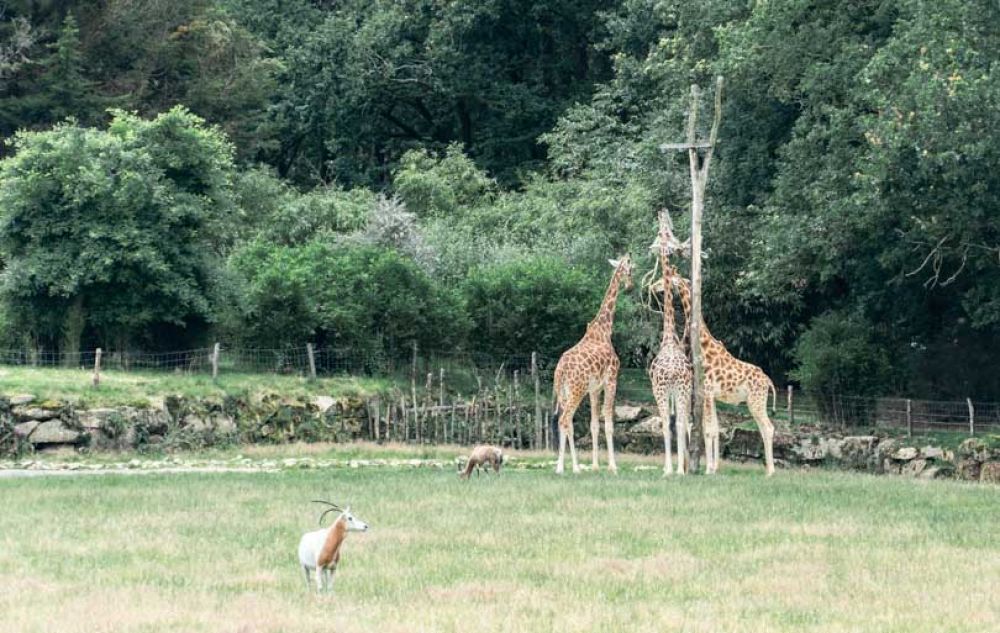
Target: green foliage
{"type": "Point", "coordinates": [115, 228]}
{"type": "Point", "coordinates": [840, 354]}
{"type": "Point", "coordinates": [858, 148]}
{"type": "Point", "coordinates": [278, 213]}
{"type": "Point", "coordinates": [365, 82]}
{"type": "Point", "coordinates": [530, 304]}
{"type": "Point", "coordinates": [444, 186]}
{"type": "Point", "coordinates": [369, 299]}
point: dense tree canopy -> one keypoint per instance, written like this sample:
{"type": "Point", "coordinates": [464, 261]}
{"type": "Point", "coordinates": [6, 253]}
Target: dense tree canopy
{"type": "Point", "coordinates": [113, 234]}
{"type": "Point", "coordinates": [495, 153]}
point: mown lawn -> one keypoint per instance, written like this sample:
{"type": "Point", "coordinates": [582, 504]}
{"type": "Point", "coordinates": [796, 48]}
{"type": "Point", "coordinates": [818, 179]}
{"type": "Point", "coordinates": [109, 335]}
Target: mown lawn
{"type": "Point", "coordinates": [804, 551]}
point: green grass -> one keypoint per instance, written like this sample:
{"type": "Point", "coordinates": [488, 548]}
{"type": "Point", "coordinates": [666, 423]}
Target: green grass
{"type": "Point", "coordinates": [139, 388]}
{"type": "Point", "coordinates": [803, 551]}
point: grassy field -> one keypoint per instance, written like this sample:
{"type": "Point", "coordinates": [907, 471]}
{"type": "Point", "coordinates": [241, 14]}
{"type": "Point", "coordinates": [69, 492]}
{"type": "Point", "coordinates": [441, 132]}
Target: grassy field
{"type": "Point", "coordinates": [804, 551]}
{"type": "Point", "coordinates": [138, 388]}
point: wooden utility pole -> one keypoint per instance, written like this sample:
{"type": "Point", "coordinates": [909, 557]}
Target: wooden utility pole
{"type": "Point", "coordinates": [699, 165]}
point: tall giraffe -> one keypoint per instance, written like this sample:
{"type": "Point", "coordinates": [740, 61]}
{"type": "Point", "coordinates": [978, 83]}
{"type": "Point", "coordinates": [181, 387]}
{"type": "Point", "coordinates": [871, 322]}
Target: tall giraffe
{"type": "Point", "coordinates": [670, 373]}
{"type": "Point", "coordinates": [591, 366]}
{"type": "Point", "coordinates": [730, 380]}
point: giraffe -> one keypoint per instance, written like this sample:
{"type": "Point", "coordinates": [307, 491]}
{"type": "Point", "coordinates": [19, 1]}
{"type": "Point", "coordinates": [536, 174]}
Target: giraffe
{"type": "Point", "coordinates": [591, 366]}
{"type": "Point", "coordinates": [670, 373]}
{"type": "Point", "coordinates": [729, 380]}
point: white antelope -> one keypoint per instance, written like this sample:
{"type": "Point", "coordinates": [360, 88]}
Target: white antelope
{"type": "Point", "coordinates": [319, 550]}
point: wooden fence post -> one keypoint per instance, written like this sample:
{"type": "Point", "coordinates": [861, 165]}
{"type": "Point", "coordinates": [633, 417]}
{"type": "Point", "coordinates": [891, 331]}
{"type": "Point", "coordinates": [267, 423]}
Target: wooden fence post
{"type": "Point", "coordinates": [909, 418]}
{"type": "Point", "coordinates": [312, 361]}
{"type": "Point", "coordinates": [97, 367]}
{"type": "Point", "coordinates": [406, 418]}
{"type": "Point", "coordinates": [972, 417]}
{"type": "Point", "coordinates": [431, 431]}
{"type": "Point", "coordinates": [413, 389]}
{"type": "Point", "coordinates": [538, 403]}
{"type": "Point", "coordinates": [215, 363]}
{"type": "Point", "coordinates": [468, 429]}
{"type": "Point", "coordinates": [451, 434]}
{"type": "Point", "coordinates": [444, 419]}
{"type": "Point", "coordinates": [791, 408]}
{"type": "Point", "coordinates": [378, 416]}
{"type": "Point", "coordinates": [516, 412]}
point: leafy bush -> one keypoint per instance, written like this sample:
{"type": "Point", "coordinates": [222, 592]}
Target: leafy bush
{"type": "Point", "coordinates": [531, 304]}
{"type": "Point", "coordinates": [441, 186]}
{"type": "Point", "coordinates": [839, 354]}
{"type": "Point", "coordinates": [369, 299]}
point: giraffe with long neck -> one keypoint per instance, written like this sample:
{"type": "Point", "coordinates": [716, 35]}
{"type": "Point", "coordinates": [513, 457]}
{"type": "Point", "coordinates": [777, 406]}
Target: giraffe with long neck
{"type": "Point", "coordinates": [590, 367]}
{"type": "Point", "coordinates": [670, 373]}
{"type": "Point", "coordinates": [729, 380]}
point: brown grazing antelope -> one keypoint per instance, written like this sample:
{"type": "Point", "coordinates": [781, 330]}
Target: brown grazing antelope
{"type": "Point", "coordinates": [480, 457]}
{"type": "Point", "coordinates": [319, 550]}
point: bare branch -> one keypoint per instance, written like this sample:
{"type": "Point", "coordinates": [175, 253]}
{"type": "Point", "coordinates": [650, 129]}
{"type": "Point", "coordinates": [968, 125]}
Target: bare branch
{"type": "Point", "coordinates": [965, 258]}
{"type": "Point", "coordinates": [934, 252]}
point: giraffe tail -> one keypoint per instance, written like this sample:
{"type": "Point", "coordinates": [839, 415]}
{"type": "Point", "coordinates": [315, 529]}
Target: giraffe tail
{"type": "Point", "coordinates": [774, 396]}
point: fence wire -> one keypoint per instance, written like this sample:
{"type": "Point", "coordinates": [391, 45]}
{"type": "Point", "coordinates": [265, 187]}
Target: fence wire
{"type": "Point", "coordinates": [525, 380]}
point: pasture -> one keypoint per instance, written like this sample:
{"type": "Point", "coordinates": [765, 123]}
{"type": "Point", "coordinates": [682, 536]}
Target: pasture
{"type": "Point", "coordinates": [528, 551]}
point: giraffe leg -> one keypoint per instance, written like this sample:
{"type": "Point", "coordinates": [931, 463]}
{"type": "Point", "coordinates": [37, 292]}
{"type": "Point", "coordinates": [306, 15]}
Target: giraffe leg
{"type": "Point", "coordinates": [595, 418]}
{"type": "Point", "coordinates": [567, 411]}
{"type": "Point", "coordinates": [682, 404]}
{"type": "Point", "coordinates": [663, 407]}
{"type": "Point", "coordinates": [609, 419]}
{"type": "Point", "coordinates": [572, 454]}
{"type": "Point", "coordinates": [757, 403]}
{"type": "Point", "coordinates": [562, 450]}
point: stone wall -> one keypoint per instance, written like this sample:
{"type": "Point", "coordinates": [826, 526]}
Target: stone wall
{"type": "Point", "coordinates": [176, 422]}
{"type": "Point", "coordinates": [976, 459]}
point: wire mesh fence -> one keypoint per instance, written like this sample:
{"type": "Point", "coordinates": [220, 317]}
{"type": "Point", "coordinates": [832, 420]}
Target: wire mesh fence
{"type": "Point", "coordinates": [518, 388]}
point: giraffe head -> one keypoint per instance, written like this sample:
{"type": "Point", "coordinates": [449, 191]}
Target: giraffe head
{"type": "Point", "coordinates": [623, 268]}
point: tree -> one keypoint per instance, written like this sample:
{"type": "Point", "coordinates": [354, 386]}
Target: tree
{"type": "Point", "coordinates": [59, 90]}
{"type": "Point", "coordinates": [369, 81]}
{"type": "Point", "coordinates": [112, 235]}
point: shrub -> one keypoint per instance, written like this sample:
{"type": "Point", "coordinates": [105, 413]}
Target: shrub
{"type": "Point", "coordinates": [839, 354]}
{"type": "Point", "coordinates": [369, 299]}
{"type": "Point", "coordinates": [534, 303]}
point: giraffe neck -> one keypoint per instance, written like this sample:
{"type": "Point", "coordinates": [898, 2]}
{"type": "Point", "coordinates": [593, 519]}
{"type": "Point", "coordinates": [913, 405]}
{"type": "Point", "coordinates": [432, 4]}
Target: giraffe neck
{"type": "Point", "coordinates": [684, 290]}
{"type": "Point", "coordinates": [669, 336]}
{"type": "Point", "coordinates": [604, 322]}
